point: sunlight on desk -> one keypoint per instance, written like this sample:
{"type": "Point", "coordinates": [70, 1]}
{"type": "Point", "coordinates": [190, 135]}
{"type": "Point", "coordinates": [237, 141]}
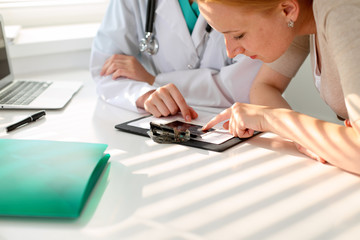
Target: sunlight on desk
{"type": "Point", "coordinates": [180, 199]}
{"type": "Point", "coordinates": [170, 168]}
{"type": "Point", "coordinates": [260, 189]}
{"type": "Point", "coordinates": [116, 152]}
{"type": "Point", "coordinates": [141, 158]}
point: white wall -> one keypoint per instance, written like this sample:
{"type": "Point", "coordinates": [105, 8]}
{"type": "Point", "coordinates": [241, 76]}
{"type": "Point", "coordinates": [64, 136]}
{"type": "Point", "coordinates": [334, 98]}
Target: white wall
{"type": "Point", "coordinates": [303, 96]}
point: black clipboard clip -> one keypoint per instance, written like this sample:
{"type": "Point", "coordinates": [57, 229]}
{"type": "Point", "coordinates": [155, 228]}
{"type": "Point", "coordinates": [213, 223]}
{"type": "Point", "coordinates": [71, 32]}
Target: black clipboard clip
{"type": "Point", "coordinates": [161, 133]}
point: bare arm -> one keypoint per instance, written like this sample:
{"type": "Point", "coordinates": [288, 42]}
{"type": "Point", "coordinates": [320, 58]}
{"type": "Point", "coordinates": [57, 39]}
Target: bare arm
{"type": "Point", "coordinates": [268, 88]}
{"type": "Point", "coordinates": [339, 145]}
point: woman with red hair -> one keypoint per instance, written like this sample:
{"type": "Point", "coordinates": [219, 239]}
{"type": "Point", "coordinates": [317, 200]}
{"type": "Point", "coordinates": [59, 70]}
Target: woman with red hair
{"type": "Point", "coordinates": [281, 33]}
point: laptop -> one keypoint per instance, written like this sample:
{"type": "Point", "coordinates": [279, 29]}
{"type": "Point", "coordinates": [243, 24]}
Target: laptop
{"type": "Point", "coordinates": [26, 94]}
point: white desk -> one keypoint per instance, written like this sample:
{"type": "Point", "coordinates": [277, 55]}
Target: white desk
{"type": "Point", "coordinates": [261, 189]}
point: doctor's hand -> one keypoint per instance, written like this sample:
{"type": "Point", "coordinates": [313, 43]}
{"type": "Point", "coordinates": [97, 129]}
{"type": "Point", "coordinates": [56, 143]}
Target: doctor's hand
{"type": "Point", "coordinates": [243, 119]}
{"type": "Point", "coordinates": [168, 100]}
{"type": "Point", "coordinates": [126, 66]}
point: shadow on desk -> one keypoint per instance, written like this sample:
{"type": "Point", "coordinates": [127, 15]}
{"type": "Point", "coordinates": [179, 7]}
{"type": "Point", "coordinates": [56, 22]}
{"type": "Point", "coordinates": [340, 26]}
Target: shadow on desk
{"type": "Point", "coordinates": [275, 143]}
{"type": "Point", "coordinates": [259, 189]}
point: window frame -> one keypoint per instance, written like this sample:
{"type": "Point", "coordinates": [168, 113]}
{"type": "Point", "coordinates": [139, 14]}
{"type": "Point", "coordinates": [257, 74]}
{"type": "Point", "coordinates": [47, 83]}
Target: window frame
{"type": "Point", "coordinates": [35, 13]}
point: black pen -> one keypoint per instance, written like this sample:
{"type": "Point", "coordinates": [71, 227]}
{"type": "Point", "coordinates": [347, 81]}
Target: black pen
{"type": "Point", "coordinates": [27, 120]}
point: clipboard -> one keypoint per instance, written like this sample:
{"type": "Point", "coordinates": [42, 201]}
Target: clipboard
{"type": "Point", "coordinates": [129, 128]}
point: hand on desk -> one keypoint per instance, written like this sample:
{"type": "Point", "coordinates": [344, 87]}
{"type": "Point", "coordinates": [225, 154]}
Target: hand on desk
{"type": "Point", "coordinates": [313, 155]}
{"type": "Point", "coordinates": [347, 123]}
{"type": "Point", "coordinates": [245, 118]}
{"type": "Point", "coordinates": [126, 66]}
{"type": "Point", "coordinates": [309, 153]}
{"type": "Point", "coordinates": [165, 101]}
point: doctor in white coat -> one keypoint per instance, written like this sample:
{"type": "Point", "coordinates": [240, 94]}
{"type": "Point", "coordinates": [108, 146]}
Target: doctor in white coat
{"type": "Point", "coordinates": [191, 67]}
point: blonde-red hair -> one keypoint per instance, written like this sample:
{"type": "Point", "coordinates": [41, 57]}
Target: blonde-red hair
{"type": "Point", "coordinates": [257, 5]}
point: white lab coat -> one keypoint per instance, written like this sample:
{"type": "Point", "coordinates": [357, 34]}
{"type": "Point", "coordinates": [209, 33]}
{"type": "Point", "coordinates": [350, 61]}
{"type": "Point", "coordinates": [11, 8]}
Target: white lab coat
{"type": "Point", "coordinates": [197, 64]}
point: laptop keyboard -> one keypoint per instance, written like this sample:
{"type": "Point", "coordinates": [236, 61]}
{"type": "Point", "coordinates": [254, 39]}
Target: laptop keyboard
{"type": "Point", "coordinates": [23, 92]}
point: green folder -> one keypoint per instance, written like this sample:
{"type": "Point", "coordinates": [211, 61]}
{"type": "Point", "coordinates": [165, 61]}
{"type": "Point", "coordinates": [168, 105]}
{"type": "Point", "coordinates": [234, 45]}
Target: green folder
{"type": "Point", "coordinates": [48, 178]}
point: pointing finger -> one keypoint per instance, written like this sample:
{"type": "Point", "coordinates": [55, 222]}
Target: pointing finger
{"type": "Point", "coordinates": [219, 118]}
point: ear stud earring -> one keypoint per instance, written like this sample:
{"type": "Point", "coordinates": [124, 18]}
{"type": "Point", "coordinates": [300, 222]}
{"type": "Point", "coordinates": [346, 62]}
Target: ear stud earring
{"type": "Point", "coordinates": [291, 24]}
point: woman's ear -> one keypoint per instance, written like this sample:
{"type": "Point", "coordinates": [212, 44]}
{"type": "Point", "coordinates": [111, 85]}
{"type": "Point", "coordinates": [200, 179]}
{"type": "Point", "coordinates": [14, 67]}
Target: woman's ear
{"type": "Point", "coordinates": [290, 9]}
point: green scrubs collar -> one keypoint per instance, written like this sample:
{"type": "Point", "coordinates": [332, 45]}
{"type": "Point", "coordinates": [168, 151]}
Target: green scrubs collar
{"type": "Point", "coordinates": [191, 13]}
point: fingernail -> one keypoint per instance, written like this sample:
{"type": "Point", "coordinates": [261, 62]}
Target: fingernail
{"type": "Point", "coordinates": [187, 118]}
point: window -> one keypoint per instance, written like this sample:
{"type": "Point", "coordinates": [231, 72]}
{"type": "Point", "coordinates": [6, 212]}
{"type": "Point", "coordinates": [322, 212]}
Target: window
{"type": "Point", "coordinates": [33, 13]}
{"type": "Point", "coordinates": [32, 3]}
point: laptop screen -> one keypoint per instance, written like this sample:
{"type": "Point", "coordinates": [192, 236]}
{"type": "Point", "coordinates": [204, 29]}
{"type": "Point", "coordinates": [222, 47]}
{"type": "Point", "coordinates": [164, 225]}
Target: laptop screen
{"type": "Point", "coordinates": [4, 63]}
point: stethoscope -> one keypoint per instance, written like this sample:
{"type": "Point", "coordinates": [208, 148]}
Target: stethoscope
{"type": "Point", "coordinates": [149, 44]}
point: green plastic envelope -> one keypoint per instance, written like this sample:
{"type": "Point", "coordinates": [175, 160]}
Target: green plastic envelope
{"type": "Point", "coordinates": [48, 178]}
